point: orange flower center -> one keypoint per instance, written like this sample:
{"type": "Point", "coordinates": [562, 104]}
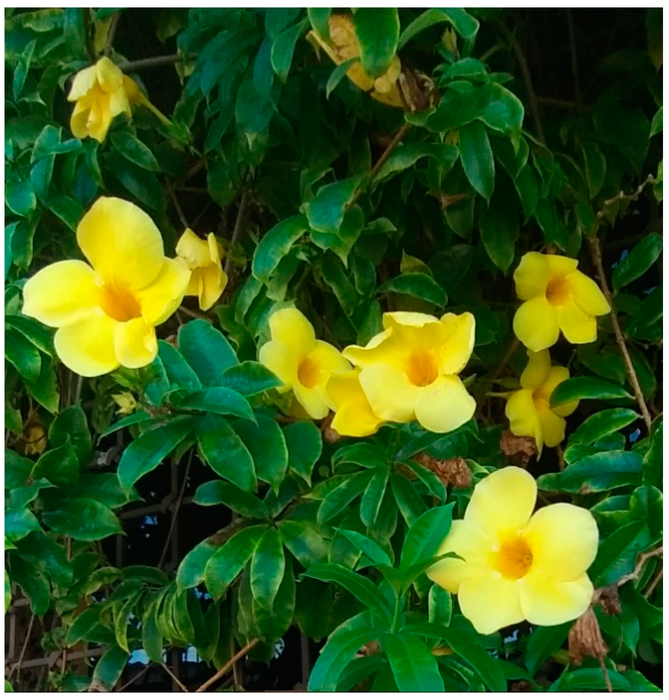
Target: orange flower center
{"type": "Point", "coordinates": [119, 303]}
{"type": "Point", "coordinates": [308, 373]}
{"type": "Point", "coordinates": [557, 291]}
{"type": "Point", "coordinates": [514, 557]}
{"type": "Point", "coordinates": [422, 368]}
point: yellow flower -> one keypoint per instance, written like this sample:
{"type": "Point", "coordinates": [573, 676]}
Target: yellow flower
{"type": "Point", "coordinates": [557, 298]}
{"type": "Point", "coordinates": [106, 312]}
{"type": "Point", "coordinates": [517, 566]}
{"type": "Point", "coordinates": [529, 408]}
{"type": "Point", "coordinates": [343, 46]}
{"type": "Point", "coordinates": [410, 369]}
{"type": "Point", "coordinates": [203, 258]}
{"type": "Point", "coordinates": [126, 402]}
{"type": "Point", "coordinates": [354, 417]}
{"type": "Point", "coordinates": [101, 92]}
{"type": "Point", "coordinates": [301, 362]}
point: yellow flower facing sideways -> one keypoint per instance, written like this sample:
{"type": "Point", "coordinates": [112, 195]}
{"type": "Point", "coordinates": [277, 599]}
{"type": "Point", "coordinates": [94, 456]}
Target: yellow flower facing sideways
{"type": "Point", "coordinates": [517, 566]}
{"type": "Point", "coordinates": [529, 409]}
{"type": "Point", "coordinates": [409, 370]}
{"type": "Point", "coordinates": [557, 297]}
{"type": "Point", "coordinates": [203, 258]}
{"type": "Point", "coordinates": [301, 362]}
{"type": "Point", "coordinates": [354, 416]}
{"type": "Point", "coordinates": [343, 46]}
{"type": "Point", "coordinates": [106, 312]}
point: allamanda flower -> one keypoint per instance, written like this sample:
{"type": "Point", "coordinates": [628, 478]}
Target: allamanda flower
{"type": "Point", "coordinates": [203, 258]}
{"type": "Point", "coordinates": [343, 46]}
{"type": "Point", "coordinates": [517, 566]}
{"type": "Point", "coordinates": [410, 369]}
{"type": "Point", "coordinates": [529, 409]}
{"type": "Point", "coordinates": [557, 297]}
{"type": "Point", "coordinates": [354, 416]}
{"type": "Point", "coordinates": [106, 312]}
{"type": "Point", "coordinates": [301, 362]}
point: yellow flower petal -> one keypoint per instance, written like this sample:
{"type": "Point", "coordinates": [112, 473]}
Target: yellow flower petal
{"type": "Point", "coordinates": [118, 103]}
{"type": "Point", "coordinates": [278, 358]}
{"type": "Point", "coordinates": [503, 501]}
{"type": "Point", "coordinates": [537, 370]}
{"type": "Point", "coordinates": [552, 426]}
{"type": "Point", "coordinates": [133, 92]}
{"type": "Point", "coordinates": [354, 417]}
{"type": "Point", "coordinates": [548, 602]}
{"type": "Point", "coordinates": [292, 328]}
{"type": "Point", "coordinates": [577, 326]}
{"type": "Point", "coordinates": [84, 81]}
{"type": "Point", "coordinates": [384, 347]}
{"type": "Point", "coordinates": [490, 603]}
{"type": "Point", "coordinates": [522, 414]}
{"type": "Point", "coordinates": [444, 405]}
{"type": "Point", "coordinates": [560, 266]}
{"type": "Point", "coordinates": [212, 281]}
{"type": "Point", "coordinates": [87, 345]}
{"type": "Point", "coordinates": [61, 293]}
{"type": "Point", "coordinates": [390, 393]}
{"type": "Point", "coordinates": [135, 343]}
{"type": "Point", "coordinates": [193, 250]}
{"type": "Point", "coordinates": [325, 360]}
{"type": "Point", "coordinates": [587, 294]}
{"type": "Point", "coordinates": [470, 543]}
{"type": "Point", "coordinates": [163, 296]}
{"type": "Point", "coordinates": [79, 120]}
{"type": "Point", "coordinates": [312, 400]}
{"type": "Point", "coordinates": [122, 243]}
{"type": "Point", "coordinates": [459, 342]}
{"type": "Point", "coordinates": [556, 376]}
{"type": "Point", "coordinates": [536, 324]}
{"type": "Point", "coordinates": [563, 539]}
{"type": "Point", "coordinates": [415, 331]}
{"type": "Point", "coordinates": [108, 75]}
{"type": "Point", "coordinates": [531, 276]}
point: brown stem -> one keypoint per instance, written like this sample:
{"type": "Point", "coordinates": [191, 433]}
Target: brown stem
{"type": "Point", "coordinates": [622, 197]}
{"type": "Point", "coordinates": [654, 583]}
{"type": "Point", "coordinates": [176, 511]}
{"type": "Point", "coordinates": [135, 678]}
{"type": "Point", "coordinates": [513, 346]}
{"type": "Point", "coordinates": [605, 673]}
{"type": "Point", "coordinates": [596, 255]}
{"type": "Point", "coordinates": [177, 206]}
{"type": "Point", "coordinates": [236, 232]}
{"type": "Point", "coordinates": [17, 665]}
{"type": "Point", "coordinates": [643, 558]}
{"type": "Point", "coordinates": [155, 62]}
{"type": "Point", "coordinates": [224, 669]}
{"type": "Point", "coordinates": [174, 678]}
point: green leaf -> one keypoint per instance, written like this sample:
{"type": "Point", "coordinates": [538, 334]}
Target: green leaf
{"type": "Point", "coordinates": [134, 150]}
{"type": "Point", "coordinates": [465, 25]}
{"type": "Point", "coordinates": [499, 224]}
{"type": "Point", "coordinates": [146, 452]}
{"type": "Point", "coordinates": [357, 671]}
{"type": "Point", "coordinates": [364, 454]}
{"type": "Point", "coordinates": [19, 523]}
{"type": "Point", "coordinates": [639, 260]}
{"type": "Point", "coordinates": [22, 354]}
{"type": "Point", "coordinates": [206, 350]}
{"type": "Point", "coordinates": [656, 125]}
{"type": "Point", "coordinates": [141, 184]}
{"type": "Point", "coordinates": [598, 472]}
{"type": "Point", "coordinates": [542, 643]}
{"type": "Point", "coordinates": [82, 519]}
{"type": "Point", "coordinates": [267, 568]}
{"type": "Point", "coordinates": [429, 478]}
{"type": "Point", "coordinates": [602, 424]}
{"type": "Point", "coordinates": [617, 555]}
{"type": "Point", "coordinates": [68, 210]}
{"type": "Point", "coordinates": [589, 679]}
{"type": "Point", "coordinates": [109, 668]}
{"type": "Point", "coordinates": [440, 606]}
{"type": "Point", "coordinates": [249, 379]}
{"type": "Point", "coordinates": [595, 167]}
{"type": "Point", "coordinates": [373, 495]}
{"type": "Point", "coordinates": [303, 541]}
{"type": "Point", "coordinates": [646, 503]}
{"type": "Point", "coordinates": [276, 244]}
{"type": "Point", "coordinates": [378, 33]}
{"type": "Point", "coordinates": [283, 48]}
{"type": "Point", "coordinates": [231, 558]}
{"type": "Point", "coordinates": [219, 400]}
{"type": "Point", "coordinates": [304, 442]}
{"type": "Point", "coordinates": [225, 452]}
{"type": "Point", "coordinates": [179, 372]}
{"type": "Point", "coordinates": [477, 158]}
{"type": "Point", "coordinates": [152, 639]}
{"type": "Point", "coordinates": [267, 446]}
{"type": "Point", "coordinates": [320, 21]}
{"type": "Point", "coordinates": [71, 426]}
{"type": "Point", "coordinates": [82, 625]}
{"type": "Point", "coordinates": [335, 502]}
{"type": "Point", "coordinates": [60, 466]}
{"type": "Point", "coordinates": [414, 667]}
{"type": "Point", "coordinates": [652, 460]}
{"type": "Point", "coordinates": [278, 18]}
{"type": "Point", "coordinates": [192, 567]}
{"type": "Point", "coordinates": [578, 388]}
{"type": "Point", "coordinates": [132, 419]}
{"type": "Point", "coordinates": [416, 284]}
{"type": "Point", "coordinates": [409, 502]}
{"type": "Point", "coordinates": [367, 546]}
{"type": "Point", "coordinates": [20, 197]}
{"type": "Point", "coordinates": [338, 75]}
{"type": "Point", "coordinates": [326, 211]}
{"type": "Point", "coordinates": [214, 493]}
{"type": "Point", "coordinates": [426, 535]}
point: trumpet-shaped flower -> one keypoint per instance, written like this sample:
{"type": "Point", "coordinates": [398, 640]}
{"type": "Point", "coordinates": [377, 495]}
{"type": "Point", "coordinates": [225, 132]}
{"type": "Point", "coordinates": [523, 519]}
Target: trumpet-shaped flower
{"type": "Point", "coordinates": [529, 409]}
{"type": "Point", "coordinates": [557, 297]}
{"type": "Point", "coordinates": [517, 566]}
{"type": "Point", "coordinates": [343, 46]}
{"type": "Point", "coordinates": [203, 258]}
{"type": "Point", "coordinates": [106, 312]}
{"type": "Point", "coordinates": [409, 370]}
{"type": "Point", "coordinates": [301, 362]}
{"type": "Point", "coordinates": [354, 416]}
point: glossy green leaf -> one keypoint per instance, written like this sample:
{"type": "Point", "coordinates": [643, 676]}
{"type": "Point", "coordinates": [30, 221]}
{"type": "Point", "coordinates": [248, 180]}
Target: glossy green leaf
{"type": "Point", "coordinates": [303, 541]}
{"type": "Point", "coordinates": [249, 379]}
{"type": "Point", "coordinates": [335, 502]}
{"type": "Point", "coordinates": [213, 493]}
{"type": "Point", "coordinates": [378, 33]}
{"type": "Point", "coordinates": [465, 25]}
{"type": "Point", "coordinates": [304, 442]}
{"type": "Point", "coordinates": [416, 284]}
{"type": "Point", "coordinates": [267, 568]}
{"type": "Point", "coordinates": [134, 150]}
{"type": "Point", "coordinates": [426, 535]}
{"type": "Point", "coordinates": [638, 261]}
{"type": "Point", "coordinates": [220, 400]}
{"type": "Point", "coordinates": [602, 424]}
{"type": "Point", "coordinates": [414, 667]}
{"type": "Point", "coordinates": [477, 158]}
{"type": "Point", "coordinates": [542, 643]}
{"type": "Point", "coordinates": [82, 519]}
{"type": "Point", "coordinates": [206, 350]}
{"type": "Point", "coordinates": [267, 446]}
{"type": "Point", "coordinates": [578, 388]}
{"type": "Point", "coordinates": [276, 244]}
{"type": "Point", "coordinates": [326, 211]}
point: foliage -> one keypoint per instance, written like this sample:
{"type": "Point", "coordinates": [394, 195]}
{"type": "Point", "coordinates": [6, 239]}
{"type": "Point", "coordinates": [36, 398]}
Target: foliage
{"type": "Point", "coordinates": [318, 204]}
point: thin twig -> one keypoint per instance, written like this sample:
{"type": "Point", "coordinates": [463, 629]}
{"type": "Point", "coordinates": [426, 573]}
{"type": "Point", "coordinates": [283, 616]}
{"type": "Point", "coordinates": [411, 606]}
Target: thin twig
{"type": "Point", "coordinates": [17, 665]}
{"type": "Point", "coordinates": [556, 102]}
{"type": "Point", "coordinates": [653, 584]}
{"type": "Point", "coordinates": [155, 62]}
{"type": "Point", "coordinates": [135, 678]}
{"type": "Point", "coordinates": [596, 255]}
{"type": "Point", "coordinates": [190, 313]}
{"type": "Point", "coordinates": [177, 206]}
{"type": "Point", "coordinates": [513, 346]}
{"type": "Point", "coordinates": [112, 32]}
{"type": "Point", "coordinates": [174, 678]}
{"type": "Point", "coordinates": [224, 669]}
{"type": "Point", "coordinates": [236, 232]}
{"type": "Point", "coordinates": [641, 562]}
{"type": "Point", "coordinates": [176, 510]}
{"type": "Point", "coordinates": [574, 58]}
{"type": "Point", "coordinates": [622, 197]}
{"type": "Point", "coordinates": [605, 673]}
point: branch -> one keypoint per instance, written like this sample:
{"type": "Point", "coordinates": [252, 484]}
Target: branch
{"type": "Point", "coordinates": [176, 511]}
{"type": "Point", "coordinates": [17, 665]}
{"type": "Point", "coordinates": [596, 255]}
{"type": "Point", "coordinates": [174, 678]}
{"type": "Point", "coordinates": [643, 558]}
{"type": "Point", "coordinates": [156, 62]}
{"type": "Point", "coordinates": [224, 669]}
{"type": "Point", "coordinates": [622, 197]}
{"type": "Point", "coordinates": [236, 232]}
